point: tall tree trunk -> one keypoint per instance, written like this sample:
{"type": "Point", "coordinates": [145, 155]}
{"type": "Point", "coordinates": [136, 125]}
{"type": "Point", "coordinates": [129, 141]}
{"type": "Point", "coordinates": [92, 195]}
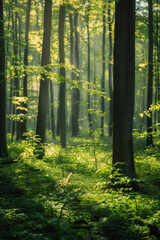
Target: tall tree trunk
{"type": "Point", "coordinates": [76, 91]}
{"type": "Point", "coordinates": [62, 78]}
{"type": "Point", "coordinates": [12, 89]}
{"type": "Point", "coordinates": [103, 69]}
{"type": "Point", "coordinates": [3, 145]}
{"type": "Point", "coordinates": [23, 124]}
{"type": "Point", "coordinates": [150, 74]}
{"type": "Point", "coordinates": [89, 75]}
{"type": "Point", "coordinates": [44, 82]}
{"type": "Point", "coordinates": [10, 93]}
{"type": "Point", "coordinates": [110, 70]}
{"type": "Point", "coordinates": [124, 85]}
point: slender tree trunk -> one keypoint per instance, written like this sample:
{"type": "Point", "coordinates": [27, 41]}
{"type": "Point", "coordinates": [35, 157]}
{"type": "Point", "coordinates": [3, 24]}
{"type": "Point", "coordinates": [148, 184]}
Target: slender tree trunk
{"type": "Point", "coordinates": [124, 85]}
{"type": "Point", "coordinates": [110, 70]}
{"type": "Point", "coordinates": [62, 78]}
{"type": "Point", "coordinates": [103, 69]}
{"type": "Point", "coordinates": [71, 61]}
{"type": "Point", "coordinates": [12, 89]}
{"type": "Point", "coordinates": [89, 76]}
{"type": "Point", "coordinates": [10, 93]}
{"type": "Point", "coordinates": [76, 91]}
{"type": "Point", "coordinates": [23, 124]}
{"type": "Point", "coordinates": [16, 79]}
{"type": "Point", "coordinates": [52, 110]}
{"type": "Point", "coordinates": [44, 82]}
{"type": "Point", "coordinates": [150, 75]}
{"type": "Point", "coordinates": [3, 144]}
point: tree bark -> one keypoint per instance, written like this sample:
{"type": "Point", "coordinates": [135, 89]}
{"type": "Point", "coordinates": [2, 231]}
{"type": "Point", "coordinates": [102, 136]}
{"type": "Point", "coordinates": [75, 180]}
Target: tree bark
{"type": "Point", "coordinates": [150, 75]}
{"type": "Point", "coordinates": [124, 85]}
{"type": "Point", "coordinates": [62, 77]}
{"type": "Point", "coordinates": [44, 82]}
{"type": "Point", "coordinates": [3, 144]}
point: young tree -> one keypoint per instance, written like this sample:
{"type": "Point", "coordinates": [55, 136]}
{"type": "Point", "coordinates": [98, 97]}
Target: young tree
{"type": "Point", "coordinates": [124, 84]}
{"type": "Point", "coordinates": [3, 145]}
{"type": "Point", "coordinates": [23, 125]}
{"type": "Point", "coordinates": [150, 74]}
{"type": "Point", "coordinates": [62, 90]}
{"type": "Point", "coordinates": [44, 82]}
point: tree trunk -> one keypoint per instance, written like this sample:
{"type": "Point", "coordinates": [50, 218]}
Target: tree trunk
{"type": "Point", "coordinates": [16, 80]}
{"type": "Point", "coordinates": [52, 110]}
{"type": "Point", "coordinates": [124, 85]}
{"type": "Point", "coordinates": [76, 91]}
{"type": "Point", "coordinates": [62, 77]}
{"type": "Point", "coordinates": [23, 124]}
{"type": "Point", "coordinates": [44, 82]}
{"type": "Point", "coordinates": [103, 69]}
{"type": "Point", "coordinates": [3, 144]}
{"type": "Point", "coordinates": [89, 76]}
{"type": "Point", "coordinates": [110, 71]}
{"type": "Point", "coordinates": [150, 75]}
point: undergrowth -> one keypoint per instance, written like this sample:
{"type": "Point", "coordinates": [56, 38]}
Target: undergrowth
{"type": "Point", "coordinates": [65, 196]}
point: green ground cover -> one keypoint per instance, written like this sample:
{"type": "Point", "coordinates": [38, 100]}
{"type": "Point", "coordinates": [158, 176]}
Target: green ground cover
{"type": "Point", "coordinates": [70, 193]}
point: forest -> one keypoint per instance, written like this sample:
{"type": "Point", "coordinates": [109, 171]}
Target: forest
{"type": "Point", "coordinates": [79, 119]}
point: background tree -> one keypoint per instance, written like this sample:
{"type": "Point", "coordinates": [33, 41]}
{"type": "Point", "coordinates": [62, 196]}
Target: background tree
{"type": "Point", "coordinates": [110, 69]}
{"type": "Point", "coordinates": [150, 74]}
{"type": "Point", "coordinates": [23, 124]}
{"type": "Point", "coordinates": [124, 84]}
{"type": "Point", "coordinates": [76, 91]}
{"type": "Point", "coordinates": [3, 146]}
{"type": "Point", "coordinates": [103, 68]}
{"type": "Point", "coordinates": [62, 92]}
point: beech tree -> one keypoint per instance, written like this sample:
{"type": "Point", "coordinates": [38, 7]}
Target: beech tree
{"type": "Point", "coordinates": [3, 146]}
{"type": "Point", "coordinates": [124, 84]}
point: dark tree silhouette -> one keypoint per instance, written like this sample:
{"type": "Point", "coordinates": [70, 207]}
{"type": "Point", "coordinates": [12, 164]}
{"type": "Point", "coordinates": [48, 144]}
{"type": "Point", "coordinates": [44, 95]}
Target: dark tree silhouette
{"type": "Point", "coordinates": [124, 85]}
{"type": "Point", "coordinates": [3, 145]}
{"type": "Point", "coordinates": [103, 69]}
{"type": "Point", "coordinates": [44, 82]}
{"type": "Point", "coordinates": [150, 74]}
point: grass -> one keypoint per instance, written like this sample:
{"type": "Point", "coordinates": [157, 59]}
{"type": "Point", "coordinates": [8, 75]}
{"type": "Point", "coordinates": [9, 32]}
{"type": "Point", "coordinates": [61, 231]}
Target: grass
{"type": "Point", "coordinates": [62, 197]}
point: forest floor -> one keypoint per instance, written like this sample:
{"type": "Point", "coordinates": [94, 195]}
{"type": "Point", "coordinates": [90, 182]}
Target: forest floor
{"type": "Point", "coordinates": [70, 193]}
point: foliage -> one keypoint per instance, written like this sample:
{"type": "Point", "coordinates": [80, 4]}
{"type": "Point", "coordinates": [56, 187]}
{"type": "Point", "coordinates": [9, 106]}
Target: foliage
{"type": "Point", "coordinates": [56, 197]}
